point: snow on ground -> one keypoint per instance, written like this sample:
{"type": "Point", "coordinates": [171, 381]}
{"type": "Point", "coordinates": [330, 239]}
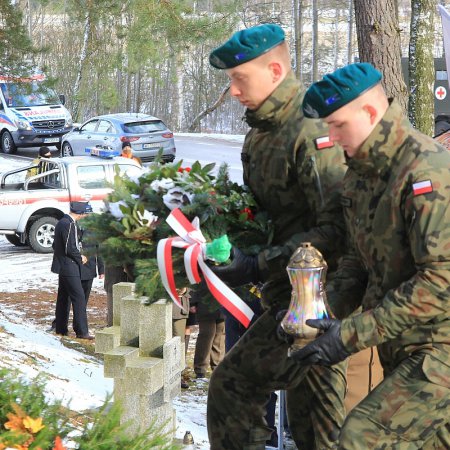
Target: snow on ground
{"type": "Point", "coordinates": [236, 138]}
{"type": "Point", "coordinates": [73, 377]}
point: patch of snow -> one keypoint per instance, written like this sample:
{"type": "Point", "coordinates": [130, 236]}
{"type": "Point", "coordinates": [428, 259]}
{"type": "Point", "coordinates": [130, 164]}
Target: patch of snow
{"type": "Point", "coordinates": [237, 138]}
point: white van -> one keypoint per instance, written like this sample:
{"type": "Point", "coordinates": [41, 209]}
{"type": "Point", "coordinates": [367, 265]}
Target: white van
{"type": "Point", "coordinates": [31, 114]}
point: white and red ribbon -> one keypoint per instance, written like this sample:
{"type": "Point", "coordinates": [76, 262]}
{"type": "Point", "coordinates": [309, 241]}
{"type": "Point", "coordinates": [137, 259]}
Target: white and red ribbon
{"type": "Point", "coordinates": [191, 238]}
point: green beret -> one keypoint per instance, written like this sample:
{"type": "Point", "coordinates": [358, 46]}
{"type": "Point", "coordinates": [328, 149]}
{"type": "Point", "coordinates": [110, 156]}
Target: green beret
{"type": "Point", "coordinates": [246, 45]}
{"type": "Point", "coordinates": [339, 88]}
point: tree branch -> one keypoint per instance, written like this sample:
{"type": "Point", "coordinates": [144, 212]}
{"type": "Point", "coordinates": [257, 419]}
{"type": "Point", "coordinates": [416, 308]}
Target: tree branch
{"type": "Point", "coordinates": [196, 122]}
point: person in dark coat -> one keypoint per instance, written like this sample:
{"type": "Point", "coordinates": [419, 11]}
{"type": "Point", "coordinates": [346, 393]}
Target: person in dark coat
{"type": "Point", "coordinates": [91, 269]}
{"type": "Point", "coordinates": [67, 263]}
{"type": "Point", "coordinates": [180, 326]}
{"type": "Point", "coordinates": [210, 345]}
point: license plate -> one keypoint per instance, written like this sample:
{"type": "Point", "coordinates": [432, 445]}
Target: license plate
{"type": "Point", "coordinates": [152, 145]}
{"type": "Point", "coordinates": [49, 140]}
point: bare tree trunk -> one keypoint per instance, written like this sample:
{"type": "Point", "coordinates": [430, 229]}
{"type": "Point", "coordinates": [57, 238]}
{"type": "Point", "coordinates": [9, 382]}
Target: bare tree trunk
{"type": "Point", "coordinates": [298, 35]}
{"type": "Point", "coordinates": [196, 122]}
{"type": "Point", "coordinates": [351, 19]}
{"type": "Point", "coordinates": [379, 43]}
{"type": "Point", "coordinates": [421, 65]}
{"type": "Point", "coordinates": [42, 34]}
{"type": "Point", "coordinates": [128, 92]}
{"type": "Point", "coordinates": [30, 21]}
{"type": "Point", "coordinates": [83, 56]}
{"type": "Point", "coordinates": [300, 38]}
{"type": "Point", "coordinates": [138, 91]}
{"type": "Point", "coordinates": [315, 41]}
{"type": "Point", "coordinates": [180, 96]}
{"type": "Point", "coordinates": [336, 39]}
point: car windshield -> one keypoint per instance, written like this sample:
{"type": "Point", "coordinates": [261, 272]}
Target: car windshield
{"type": "Point", "coordinates": [29, 94]}
{"type": "Point", "coordinates": [149, 126]}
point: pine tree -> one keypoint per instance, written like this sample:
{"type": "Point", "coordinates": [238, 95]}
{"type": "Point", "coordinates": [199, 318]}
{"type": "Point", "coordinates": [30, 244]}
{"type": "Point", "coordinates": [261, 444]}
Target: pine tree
{"type": "Point", "coordinates": [17, 49]}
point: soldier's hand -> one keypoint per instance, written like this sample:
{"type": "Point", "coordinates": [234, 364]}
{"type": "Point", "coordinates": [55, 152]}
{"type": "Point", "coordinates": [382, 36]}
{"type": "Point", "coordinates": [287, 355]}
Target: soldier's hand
{"type": "Point", "coordinates": [83, 259]}
{"type": "Point", "coordinates": [242, 270]}
{"type": "Point", "coordinates": [326, 350]}
{"type": "Point", "coordinates": [281, 334]}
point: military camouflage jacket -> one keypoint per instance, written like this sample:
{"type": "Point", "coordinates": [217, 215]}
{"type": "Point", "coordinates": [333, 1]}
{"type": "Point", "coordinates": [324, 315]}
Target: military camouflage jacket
{"type": "Point", "coordinates": [295, 173]}
{"type": "Point", "coordinates": [396, 204]}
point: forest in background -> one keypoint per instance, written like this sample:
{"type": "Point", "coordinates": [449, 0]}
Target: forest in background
{"type": "Point", "coordinates": [152, 56]}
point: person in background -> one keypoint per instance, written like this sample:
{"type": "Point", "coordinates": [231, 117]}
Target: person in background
{"type": "Point", "coordinates": [113, 275]}
{"type": "Point", "coordinates": [67, 262]}
{"type": "Point", "coordinates": [92, 268]}
{"type": "Point", "coordinates": [396, 198]}
{"type": "Point", "coordinates": [127, 152]}
{"type": "Point", "coordinates": [179, 325]}
{"type": "Point", "coordinates": [210, 345]}
{"type": "Point", "coordinates": [44, 152]}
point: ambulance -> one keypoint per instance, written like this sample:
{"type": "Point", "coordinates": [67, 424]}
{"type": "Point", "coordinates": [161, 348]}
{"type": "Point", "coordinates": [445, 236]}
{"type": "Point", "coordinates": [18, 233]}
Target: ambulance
{"type": "Point", "coordinates": [31, 114]}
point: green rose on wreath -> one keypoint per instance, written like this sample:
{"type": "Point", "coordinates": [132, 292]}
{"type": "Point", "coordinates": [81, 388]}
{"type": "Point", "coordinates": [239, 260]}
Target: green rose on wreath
{"type": "Point", "coordinates": [219, 249]}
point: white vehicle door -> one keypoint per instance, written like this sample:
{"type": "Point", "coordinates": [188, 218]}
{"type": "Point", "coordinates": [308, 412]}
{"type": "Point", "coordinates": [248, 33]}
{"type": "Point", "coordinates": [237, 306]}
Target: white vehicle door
{"type": "Point", "coordinates": [20, 197]}
{"type": "Point", "coordinates": [90, 183]}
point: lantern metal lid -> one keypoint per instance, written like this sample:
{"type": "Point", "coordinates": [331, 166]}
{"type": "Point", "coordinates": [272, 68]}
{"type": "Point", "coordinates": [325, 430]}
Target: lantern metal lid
{"type": "Point", "coordinates": [306, 257]}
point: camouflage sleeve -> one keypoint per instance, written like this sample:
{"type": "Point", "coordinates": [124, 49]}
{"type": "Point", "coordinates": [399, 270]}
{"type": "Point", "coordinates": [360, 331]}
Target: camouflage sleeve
{"type": "Point", "coordinates": [424, 298]}
{"type": "Point", "coordinates": [320, 173]}
{"type": "Point", "coordinates": [345, 290]}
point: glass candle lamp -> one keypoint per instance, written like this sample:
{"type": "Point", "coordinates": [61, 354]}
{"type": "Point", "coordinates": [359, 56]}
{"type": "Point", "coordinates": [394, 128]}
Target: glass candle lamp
{"type": "Point", "coordinates": [307, 271]}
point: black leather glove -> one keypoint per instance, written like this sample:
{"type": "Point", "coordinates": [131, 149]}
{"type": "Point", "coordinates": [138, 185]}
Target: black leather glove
{"type": "Point", "coordinates": [242, 270]}
{"type": "Point", "coordinates": [281, 334]}
{"type": "Point", "coordinates": [325, 350]}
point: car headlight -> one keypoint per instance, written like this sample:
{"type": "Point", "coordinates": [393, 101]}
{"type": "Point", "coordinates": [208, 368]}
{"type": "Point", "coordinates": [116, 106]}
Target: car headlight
{"type": "Point", "coordinates": [23, 125]}
{"type": "Point", "coordinates": [69, 123]}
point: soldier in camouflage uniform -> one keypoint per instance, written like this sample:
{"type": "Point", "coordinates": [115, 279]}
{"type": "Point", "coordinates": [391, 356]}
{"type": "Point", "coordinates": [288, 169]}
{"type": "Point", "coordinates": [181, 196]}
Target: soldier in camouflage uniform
{"type": "Point", "coordinates": [396, 204]}
{"type": "Point", "coordinates": [295, 173]}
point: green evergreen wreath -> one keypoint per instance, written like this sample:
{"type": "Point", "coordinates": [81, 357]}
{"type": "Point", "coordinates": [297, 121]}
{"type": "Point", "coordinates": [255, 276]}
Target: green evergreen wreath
{"type": "Point", "coordinates": [128, 231]}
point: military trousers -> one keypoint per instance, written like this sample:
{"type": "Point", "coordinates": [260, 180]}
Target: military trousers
{"type": "Point", "coordinates": [210, 345]}
{"type": "Point", "coordinates": [406, 411]}
{"type": "Point", "coordinates": [241, 385]}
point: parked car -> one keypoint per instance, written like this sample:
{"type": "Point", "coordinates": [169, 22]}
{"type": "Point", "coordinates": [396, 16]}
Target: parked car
{"type": "Point", "coordinates": [147, 134]}
{"type": "Point", "coordinates": [31, 206]}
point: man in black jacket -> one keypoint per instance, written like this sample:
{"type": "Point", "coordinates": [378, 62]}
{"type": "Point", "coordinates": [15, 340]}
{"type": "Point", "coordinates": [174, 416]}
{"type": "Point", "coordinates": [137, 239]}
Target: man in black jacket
{"type": "Point", "coordinates": [94, 266]}
{"type": "Point", "coordinates": [67, 263]}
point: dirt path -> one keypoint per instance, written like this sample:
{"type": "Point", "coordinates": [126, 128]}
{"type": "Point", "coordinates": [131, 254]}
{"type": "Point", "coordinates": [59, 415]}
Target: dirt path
{"type": "Point", "coordinates": [38, 307]}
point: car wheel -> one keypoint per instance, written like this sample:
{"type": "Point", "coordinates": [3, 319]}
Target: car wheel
{"type": "Point", "coordinates": [8, 145]}
{"type": "Point", "coordinates": [15, 240]}
{"type": "Point", "coordinates": [66, 150]}
{"type": "Point", "coordinates": [42, 233]}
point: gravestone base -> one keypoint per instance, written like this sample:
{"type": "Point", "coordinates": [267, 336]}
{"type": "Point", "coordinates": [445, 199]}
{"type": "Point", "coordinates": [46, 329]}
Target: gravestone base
{"type": "Point", "coordinates": [143, 358]}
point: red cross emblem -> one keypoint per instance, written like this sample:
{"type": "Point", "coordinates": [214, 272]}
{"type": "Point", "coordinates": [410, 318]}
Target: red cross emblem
{"type": "Point", "coordinates": [440, 92]}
